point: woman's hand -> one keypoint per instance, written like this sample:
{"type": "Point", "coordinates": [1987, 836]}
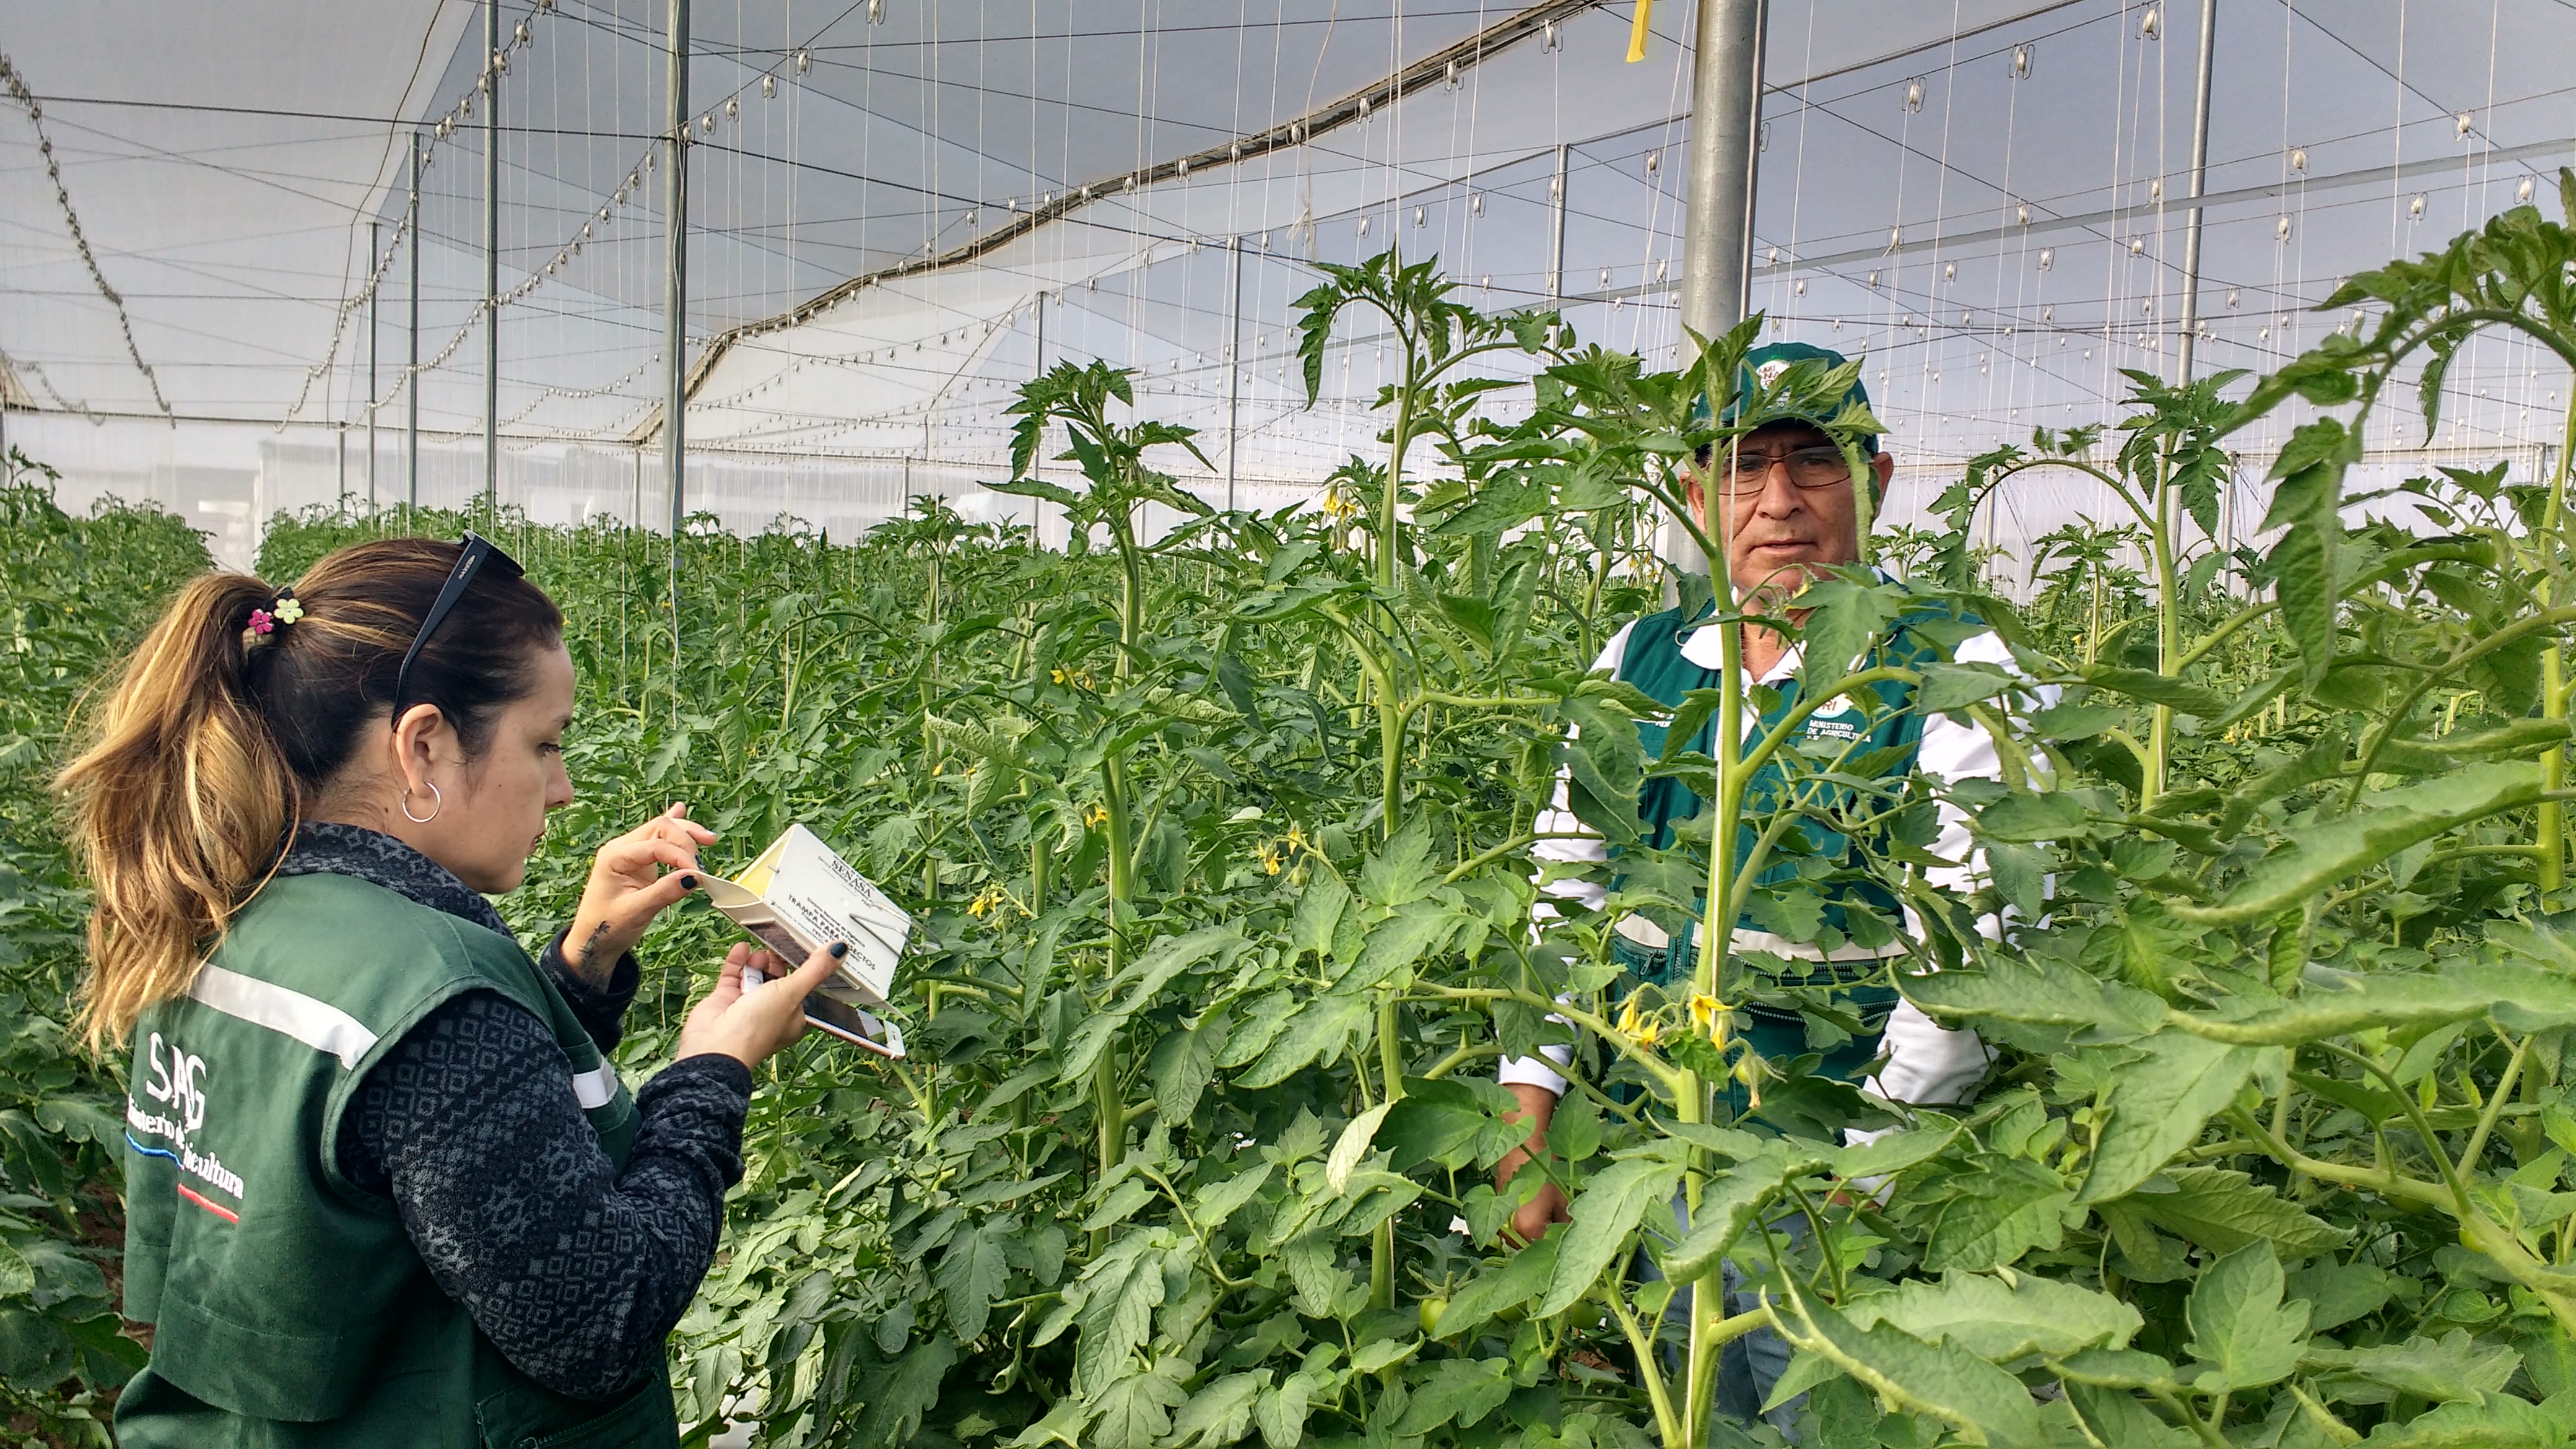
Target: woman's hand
{"type": "Point", "coordinates": [749, 1026]}
{"type": "Point", "coordinates": [628, 887]}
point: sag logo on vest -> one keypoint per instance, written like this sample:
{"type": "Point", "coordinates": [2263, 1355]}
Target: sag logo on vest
{"type": "Point", "coordinates": [175, 1082]}
{"type": "Point", "coordinates": [178, 1082]}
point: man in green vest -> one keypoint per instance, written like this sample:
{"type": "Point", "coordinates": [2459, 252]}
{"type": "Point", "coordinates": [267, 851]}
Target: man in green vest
{"type": "Point", "coordinates": [1783, 506]}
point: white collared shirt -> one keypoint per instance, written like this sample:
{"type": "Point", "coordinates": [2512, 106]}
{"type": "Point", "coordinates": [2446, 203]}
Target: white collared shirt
{"type": "Point", "coordinates": [1926, 1062]}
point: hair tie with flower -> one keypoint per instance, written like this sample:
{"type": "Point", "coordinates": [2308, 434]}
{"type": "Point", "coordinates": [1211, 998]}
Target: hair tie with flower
{"type": "Point", "coordinates": [284, 609]}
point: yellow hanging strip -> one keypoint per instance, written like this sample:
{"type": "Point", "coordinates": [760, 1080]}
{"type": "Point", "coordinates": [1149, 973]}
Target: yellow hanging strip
{"type": "Point", "coordinates": [1637, 31]}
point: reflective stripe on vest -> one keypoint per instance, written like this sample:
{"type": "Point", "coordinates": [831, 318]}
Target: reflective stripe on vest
{"type": "Point", "coordinates": [333, 1032]}
{"type": "Point", "coordinates": [595, 1088]}
{"type": "Point", "coordinates": [317, 1024]}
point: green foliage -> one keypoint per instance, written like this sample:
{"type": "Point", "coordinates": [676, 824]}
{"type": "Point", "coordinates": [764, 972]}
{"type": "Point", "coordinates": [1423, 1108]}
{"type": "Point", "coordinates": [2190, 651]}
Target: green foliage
{"type": "Point", "coordinates": [1222, 846]}
{"type": "Point", "coordinates": [75, 592]}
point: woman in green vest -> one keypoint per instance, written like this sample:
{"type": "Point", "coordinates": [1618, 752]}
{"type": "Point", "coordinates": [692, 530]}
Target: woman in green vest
{"type": "Point", "coordinates": [383, 1187]}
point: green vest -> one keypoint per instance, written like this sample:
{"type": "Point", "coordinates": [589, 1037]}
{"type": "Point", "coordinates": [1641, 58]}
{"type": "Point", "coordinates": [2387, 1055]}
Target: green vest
{"type": "Point", "coordinates": [288, 1306]}
{"type": "Point", "coordinates": [1880, 743]}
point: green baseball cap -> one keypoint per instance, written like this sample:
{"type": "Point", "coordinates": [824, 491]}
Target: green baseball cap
{"type": "Point", "coordinates": [1762, 367]}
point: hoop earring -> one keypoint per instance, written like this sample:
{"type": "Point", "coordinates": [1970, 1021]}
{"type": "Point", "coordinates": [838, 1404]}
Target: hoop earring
{"type": "Point", "coordinates": [437, 802]}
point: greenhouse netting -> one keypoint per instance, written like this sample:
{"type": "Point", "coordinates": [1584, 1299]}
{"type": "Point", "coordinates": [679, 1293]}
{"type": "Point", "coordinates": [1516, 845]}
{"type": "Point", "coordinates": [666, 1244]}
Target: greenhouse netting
{"type": "Point", "coordinates": [900, 211]}
{"type": "Point", "coordinates": [1145, 553]}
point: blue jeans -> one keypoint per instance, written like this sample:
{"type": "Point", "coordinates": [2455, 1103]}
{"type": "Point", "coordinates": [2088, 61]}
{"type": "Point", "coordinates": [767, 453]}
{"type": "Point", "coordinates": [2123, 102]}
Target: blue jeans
{"type": "Point", "coordinates": [1749, 1366]}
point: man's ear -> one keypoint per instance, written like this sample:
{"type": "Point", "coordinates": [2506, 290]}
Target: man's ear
{"type": "Point", "coordinates": [1884, 465]}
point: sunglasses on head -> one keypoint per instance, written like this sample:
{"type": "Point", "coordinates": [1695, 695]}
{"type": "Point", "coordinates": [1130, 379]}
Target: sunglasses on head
{"type": "Point", "coordinates": [474, 553]}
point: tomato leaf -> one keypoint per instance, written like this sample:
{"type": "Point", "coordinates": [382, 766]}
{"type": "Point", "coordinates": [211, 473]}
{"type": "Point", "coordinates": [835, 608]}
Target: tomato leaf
{"type": "Point", "coordinates": [2159, 1104]}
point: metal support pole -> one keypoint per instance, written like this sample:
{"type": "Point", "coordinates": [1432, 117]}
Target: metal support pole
{"type": "Point", "coordinates": [492, 253]}
{"type": "Point", "coordinates": [675, 299]}
{"type": "Point", "coordinates": [2226, 539]}
{"type": "Point", "coordinates": [2199, 174]}
{"type": "Point", "coordinates": [2227, 529]}
{"type": "Point", "coordinates": [375, 287]}
{"type": "Point", "coordinates": [1038, 371]}
{"type": "Point", "coordinates": [1726, 104]}
{"type": "Point", "coordinates": [1233, 376]}
{"type": "Point", "coordinates": [1717, 240]}
{"type": "Point", "coordinates": [411, 353]}
{"type": "Point", "coordinates": [1556, 228]}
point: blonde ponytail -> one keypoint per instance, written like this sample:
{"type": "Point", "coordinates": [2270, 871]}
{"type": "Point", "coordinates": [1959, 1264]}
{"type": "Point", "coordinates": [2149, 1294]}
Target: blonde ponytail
{"type": "Point", "coordinates": [178, 805]}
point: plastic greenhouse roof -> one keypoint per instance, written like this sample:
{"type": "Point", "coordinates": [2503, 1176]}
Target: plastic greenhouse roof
{"type": "Point", "coordinates": [1985, 198]}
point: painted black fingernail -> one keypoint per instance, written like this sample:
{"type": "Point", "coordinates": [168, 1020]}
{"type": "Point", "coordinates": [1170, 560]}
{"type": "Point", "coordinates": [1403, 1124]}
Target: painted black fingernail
{"type": "Point", "coordinates": [688, 882]}
{"type": "Point", "coordinates": [840, 949]}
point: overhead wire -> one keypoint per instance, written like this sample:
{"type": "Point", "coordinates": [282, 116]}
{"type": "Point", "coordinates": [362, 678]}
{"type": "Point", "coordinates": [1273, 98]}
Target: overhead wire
{"type": "Point", "coordinates": [1161, 309]}
{"type": "Point", "coordinates": [25, 96]}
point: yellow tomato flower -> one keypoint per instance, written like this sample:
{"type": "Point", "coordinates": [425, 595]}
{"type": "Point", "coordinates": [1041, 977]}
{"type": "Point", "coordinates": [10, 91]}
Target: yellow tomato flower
{"type": "Point", "coordinates": [1095, 815]}
{"type": "Point", "coordinates": [1704, 1011]}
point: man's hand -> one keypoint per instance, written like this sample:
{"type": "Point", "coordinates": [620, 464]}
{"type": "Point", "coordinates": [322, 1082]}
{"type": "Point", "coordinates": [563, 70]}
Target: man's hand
{"type": "Point", "coordinates": [1530, 1222]}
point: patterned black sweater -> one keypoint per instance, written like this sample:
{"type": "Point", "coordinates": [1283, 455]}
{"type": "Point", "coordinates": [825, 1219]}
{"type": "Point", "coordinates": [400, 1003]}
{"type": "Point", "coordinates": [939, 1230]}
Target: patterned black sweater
{"type": "Point", "coordinates": [575, 1270]}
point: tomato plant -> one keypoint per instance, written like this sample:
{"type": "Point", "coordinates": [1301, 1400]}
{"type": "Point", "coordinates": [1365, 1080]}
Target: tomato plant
{"type": "Point", "coordinates": [1221, 840]}
{"type": "Point", "coordinates": [74, 591]}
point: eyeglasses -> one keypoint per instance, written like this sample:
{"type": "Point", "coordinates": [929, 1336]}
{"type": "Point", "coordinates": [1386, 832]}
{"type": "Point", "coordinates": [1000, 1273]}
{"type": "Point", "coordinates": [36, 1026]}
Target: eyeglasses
{"type": "Point", "coordinates": [1821, 466]}
{"type": "Point", "coordinates": [475, 552]}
